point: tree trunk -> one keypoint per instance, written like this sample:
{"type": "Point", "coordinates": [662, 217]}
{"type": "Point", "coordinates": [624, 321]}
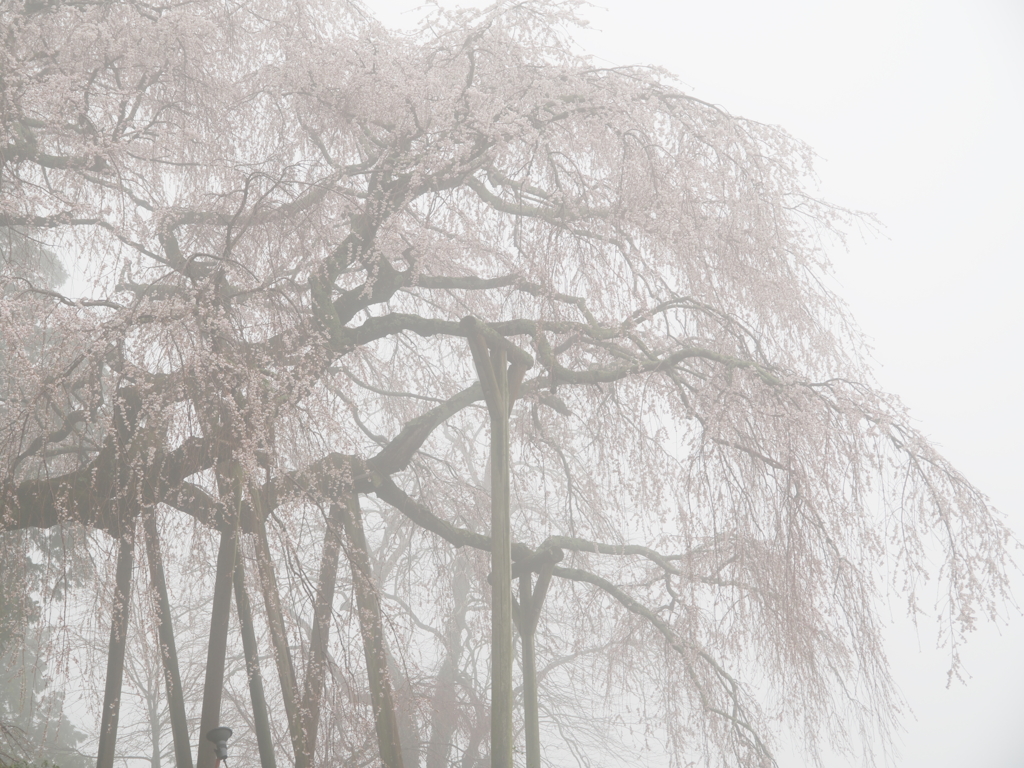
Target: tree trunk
{"type": "Point", "coordinates": [153, 710]}
{"type": "Point", "coordinates": [406, 713]}
{"type": "Point", "coordinates": [213, 686]}
{"type": "Point", "coordinates": [261, 720]}
{"type": "Point", "coordinates": [116, 649]}
{"type": "Point", "coordinates": [444, 716]}
{"type": "Point", "coordinates": [168, 651]}
{"type": "Point", "coordinates": [316, 667]}
{"type": "Point", "coordinates": [372, 630]}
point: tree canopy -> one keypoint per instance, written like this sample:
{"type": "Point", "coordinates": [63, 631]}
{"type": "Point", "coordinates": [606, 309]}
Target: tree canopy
{"type": "Point", "coordinates": [286, 227]}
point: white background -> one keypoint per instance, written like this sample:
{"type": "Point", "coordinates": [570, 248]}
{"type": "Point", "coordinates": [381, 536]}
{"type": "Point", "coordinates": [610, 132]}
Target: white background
{"type": "Point", "coordinates": [917, 111]}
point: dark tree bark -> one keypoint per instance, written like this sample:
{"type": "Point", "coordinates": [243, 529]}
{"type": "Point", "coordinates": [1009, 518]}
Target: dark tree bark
{"type": "Point", "coordinates": [116, 649]}
{"type": "Point", "coordinates": [168, 650]}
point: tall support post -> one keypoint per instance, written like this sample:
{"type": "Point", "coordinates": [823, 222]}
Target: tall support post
{"type": "Point", "coordinates": [278, 635]}
{"type": "Point", "coordinates": [316, 666]}
{"type": "Point", "coordinates": [500, 384]}
{"type": "Point", "coordinates": [531, 713]}
{"type": "Point", "coordinates": [116, 649]}
{"type": "Point", "coordinates": [372, 629]}
{"type": "Point", "coordinates": [213, 686]}
{"type": "Point", "coordinates": [168, 651]}
{"type": "Point", "coordinates": [531, 599]}
{"type": "Point", "coordinates": [261, 719]}
{"type": "Point", "coordinates": [502, 649]}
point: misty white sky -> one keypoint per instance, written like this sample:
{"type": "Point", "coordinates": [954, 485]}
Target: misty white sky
{"type": "Point", "coordinates": [917, 111]}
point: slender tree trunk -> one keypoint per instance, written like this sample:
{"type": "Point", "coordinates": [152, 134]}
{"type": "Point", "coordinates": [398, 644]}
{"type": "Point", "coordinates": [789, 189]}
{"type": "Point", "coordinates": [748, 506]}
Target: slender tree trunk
{"type": "Point", "coordinates": [278, 635]}
{"type": "Point", "coordinates": [261, 720]}
{"type": "Point", "coordinates": [443, 718]}
{"type": "Point", "coordinates": [116, 649]}
{"type": "Point", "coordinates": [153, 710]}
{"type": "Point", "coordinates": [372, 630]}
{"type": "Point", "coordinates": [213, 686]}
{"type": "Point", "coordinates": [168, 651]}
{"type": "Point", "coordinates": [471, 757]}
{"type": "Point", "coordinates": [316, 667]}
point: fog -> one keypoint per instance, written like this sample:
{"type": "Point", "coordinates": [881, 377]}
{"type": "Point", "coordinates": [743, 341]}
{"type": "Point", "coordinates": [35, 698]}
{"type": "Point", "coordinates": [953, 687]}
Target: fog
{"type": "Point", "coordinates": [315, 270]}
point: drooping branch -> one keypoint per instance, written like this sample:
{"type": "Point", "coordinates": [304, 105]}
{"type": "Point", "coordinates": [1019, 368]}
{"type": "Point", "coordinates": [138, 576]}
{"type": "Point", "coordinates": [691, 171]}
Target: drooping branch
{"type": "Point", "coordinates": [396, 455]}
{"type": "Point", "coordinates": [524, 558]}
{"type": "Point", "coordinates": [394, 323]}
{"type": "Point", "coordinates": [738, 714]}
{"type": "Point", "coordinates": [387, 491]}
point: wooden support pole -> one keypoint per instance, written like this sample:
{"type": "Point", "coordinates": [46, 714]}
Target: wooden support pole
{"type": "Point", "coordinates": [316, 667]}
{"type": "Point", "coordinates": [500, 382]}
{"type": "Point", "coordinates": [372, 629]}
{"type": "Point", "coordinates": [540, 590]}
{"type": "Point", "coordinates": [116, 649]}
{"type": "Point", "coordinates": [531, 600]}
{"type": "Point", "coordinates": [260, 716]}
{"type": "Point", "coordinates": [491, 366]}
{"type": "Point", "coordinates": [168, 651]}
{"type": "Point", "coordinates": [278, 636]}
{"type": "Point", "coordinates": [503, 650]}
{"type": "Point", "coordinates": [527, 633]}
{"type": "Point", "coordinates": [213, 686]}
